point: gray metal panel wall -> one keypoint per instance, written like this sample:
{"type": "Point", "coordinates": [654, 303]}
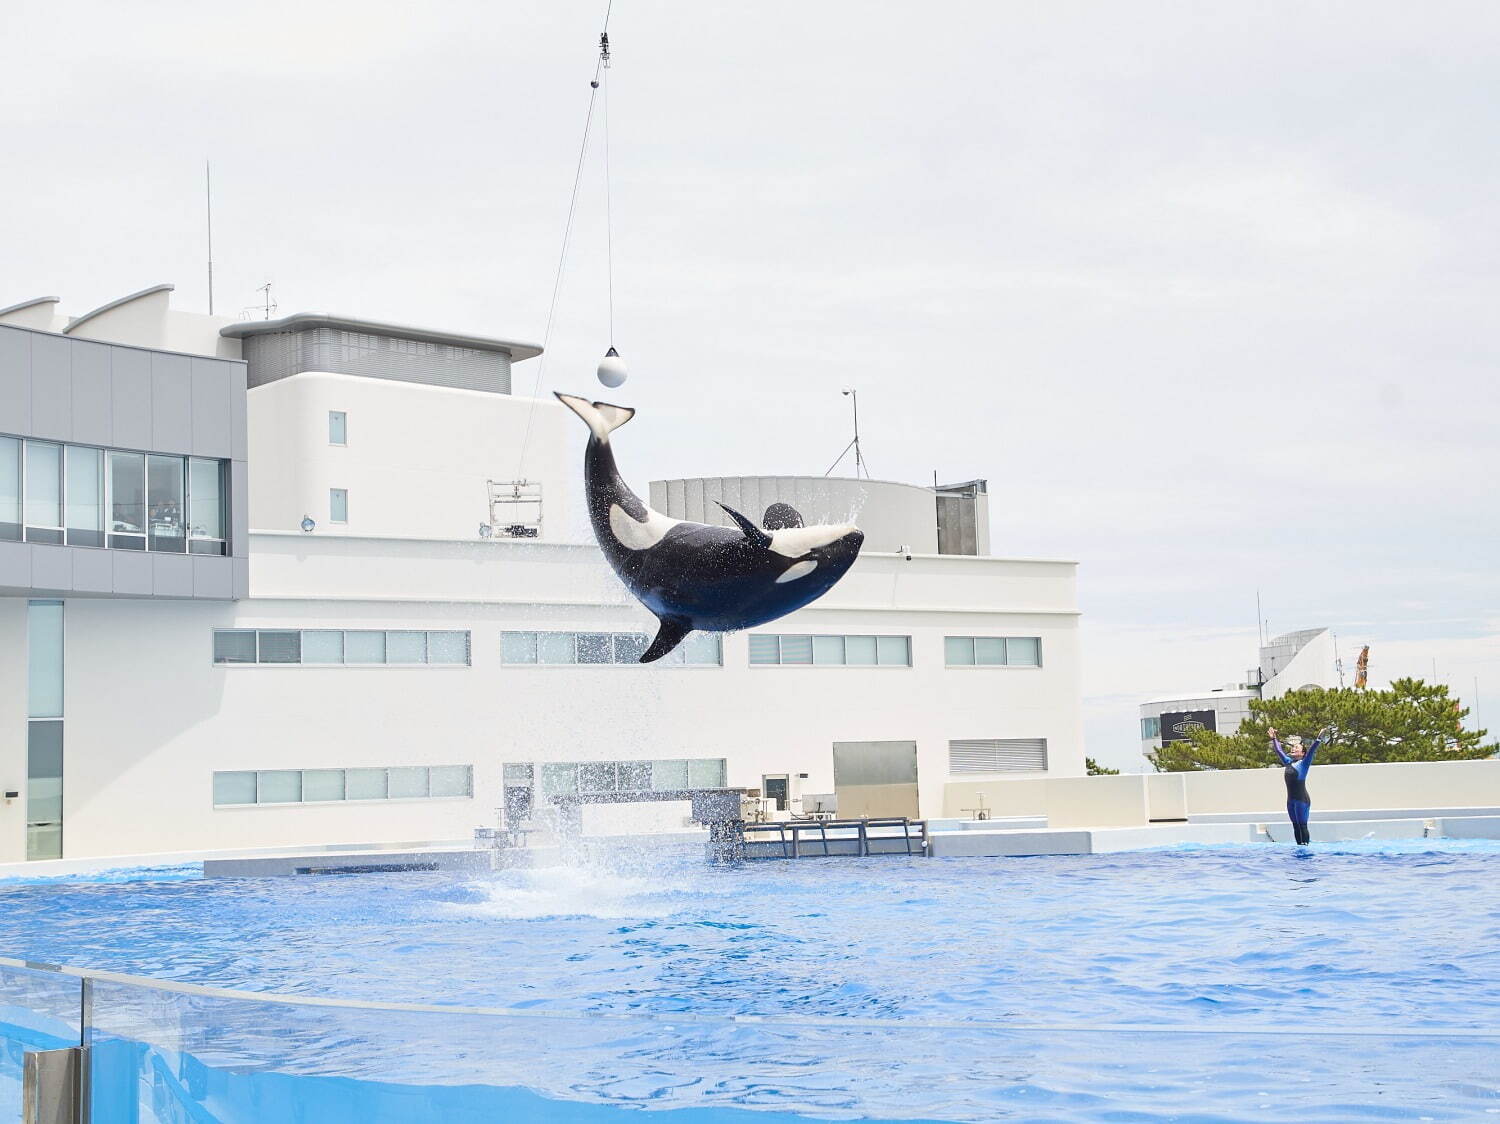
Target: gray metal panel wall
{"type": "Point", "coordinates": [279, 355]}
{"type": "Point", "coordinates": [88, 393]}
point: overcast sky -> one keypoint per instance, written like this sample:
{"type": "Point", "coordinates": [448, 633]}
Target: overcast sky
{"type": "Point", "coordinates": [1206, 291]}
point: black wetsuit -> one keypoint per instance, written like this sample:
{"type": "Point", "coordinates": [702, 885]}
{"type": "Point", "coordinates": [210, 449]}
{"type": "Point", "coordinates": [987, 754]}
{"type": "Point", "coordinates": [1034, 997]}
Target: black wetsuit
{"type": "Point", "coordinates": [1298, 802]}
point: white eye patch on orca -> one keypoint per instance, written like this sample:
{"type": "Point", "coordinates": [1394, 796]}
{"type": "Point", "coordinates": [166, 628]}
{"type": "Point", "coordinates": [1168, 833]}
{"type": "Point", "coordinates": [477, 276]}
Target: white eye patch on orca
{"type": "Point", "coordinates": [798, 570]}
{"type": "Point", "coordinates": [793, 542]}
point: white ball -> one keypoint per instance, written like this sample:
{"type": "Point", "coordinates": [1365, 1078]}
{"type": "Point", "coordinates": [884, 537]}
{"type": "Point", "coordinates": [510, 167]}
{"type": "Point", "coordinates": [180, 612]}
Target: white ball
{"type": "Point", "coordinates": [612, 372]}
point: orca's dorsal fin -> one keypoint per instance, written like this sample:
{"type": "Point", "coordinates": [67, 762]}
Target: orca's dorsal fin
{"type": "Point", "coordinates": [752, 532]}
{"type": "Point", "coordinates": [672, 632]}
{"type": "Point", "coordinates": [601, 417]}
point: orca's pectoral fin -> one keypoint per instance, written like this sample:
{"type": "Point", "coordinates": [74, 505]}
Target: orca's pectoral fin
{"type": "Point", "coordinates": [752, 532]}
{"type": "Point", "coordinates": [672, 632]}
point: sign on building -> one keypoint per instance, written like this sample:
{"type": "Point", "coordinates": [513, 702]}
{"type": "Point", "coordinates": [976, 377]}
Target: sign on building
{"type": "Point", "coordinates": [1176, 725]}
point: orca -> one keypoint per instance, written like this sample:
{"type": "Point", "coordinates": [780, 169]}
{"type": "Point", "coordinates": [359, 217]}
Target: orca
{"type": "Point", "coordinates": [694, 576]}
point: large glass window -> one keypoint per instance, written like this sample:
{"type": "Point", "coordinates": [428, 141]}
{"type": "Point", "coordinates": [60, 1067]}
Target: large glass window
{"type": "Point", "coordinates": [127, 501]}
{"type": "Point", "coordinates": [87, 496]}
{"type": "Point", "coordinates": [993, 651]}
{"type": "Point", "coordinates": [768, 648]}
{"type": "Point", "coordinates": [44, 519]}
{"type": "Point", "coordinates": [85, 506]}
{"type": "Point", "coordinates": [44, 652]}
{"type": "Point", "coordinates": [164, 503]}
{"type": "Point", "coordinates": [206, 533]}
{"type": "Point", "coordinates": [10, 489]}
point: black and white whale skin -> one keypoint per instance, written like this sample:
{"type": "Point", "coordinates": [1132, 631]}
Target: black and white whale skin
{"type": "Point", "coordinates": [696, 576]}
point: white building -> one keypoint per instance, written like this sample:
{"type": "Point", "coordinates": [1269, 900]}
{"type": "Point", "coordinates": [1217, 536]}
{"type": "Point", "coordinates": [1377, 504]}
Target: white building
{"type": "Point", "coordinates": [245, 602]}
{"type": "Point", "coordinates": [1287, 663]}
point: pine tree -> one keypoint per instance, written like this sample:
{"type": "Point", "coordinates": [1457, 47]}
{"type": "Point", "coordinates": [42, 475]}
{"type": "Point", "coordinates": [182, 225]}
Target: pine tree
{"type": "Point", "coordinates": [1412, 721]}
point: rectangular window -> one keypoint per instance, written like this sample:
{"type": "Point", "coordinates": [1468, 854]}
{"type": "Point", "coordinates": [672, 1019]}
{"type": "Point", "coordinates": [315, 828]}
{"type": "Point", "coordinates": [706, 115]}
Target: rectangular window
{"type": "Point", "coordinates": [668, 776]}
{"type": "Point", "coordinates": [518, 647]}
{"type": "Point", "coordinates": [365, 784]}
{"type": "Point", "coordinates": [127, 501]}
{"type": "Point", "coordinates": [279, 786]}
{"type": "Point", "coordinates": [206, 523]}
{"type": "Point", "coordinates": [338, 427]}
{"type": "Point", "coordinates": [701, 649]}
{"type": "Point", "coordinates": [166, 525]}
{"type": "Point", "coordinates": [322, 646]}
{"type": "Point", "coordinates": [44, 790]}
{"type": "Point", "coordinates": [1150, 728]}
{"type": "Point", "coordinates": [234, 788]}
{"type": "Point", "coordinates": [330, 647]}
{"type": "Point", "coordinates": [406, 647]}
{"type": "Point", "coordinates": [997, 755]}
{"type": "Point", "coordinates": [993, 651]}
{"type": "Point", "coordinates": [338, 505]}
{"type": "Point", "coordinates": [280, 647]}
{"type": "Point", "coordinates": [10, 489]}
{"type": "Point", "coordinates": [364, 647]}
{"type": "Point", "coordinates": [322, 785]}
{"type": "Point", "coordinates": [314, 786]}
{"type": "Point", "coordinates": [451, 780]}
{"type": "Point", "coordinates": [234, 645]}
{"type": "Point", "coordinates": [44, 520]}
{"type": "Point", "coordinates": [448, 648]}
{"type": "Point", "coordinates": [85, 506]}
{"type": "Point", "coordinates": [44, 659]}
{"type": "Point", "coordinates": [830, 651]}
{"type": "Point", "coordinates": [408, 782]}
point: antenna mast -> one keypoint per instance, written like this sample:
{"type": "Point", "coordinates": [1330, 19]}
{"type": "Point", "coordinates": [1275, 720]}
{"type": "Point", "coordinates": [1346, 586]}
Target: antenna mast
{"type": "Point", "coordinates": [208, 194]}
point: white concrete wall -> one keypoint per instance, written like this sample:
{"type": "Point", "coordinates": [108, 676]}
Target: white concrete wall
{"type": "Point", "coordinates": [1132, 799]}
{"type": "Point", "coordinates": [1312, 665]}
{"type": "Point", "coordinates": [416, 461]}
{"type": "Point", "coordinates": [150, 717]}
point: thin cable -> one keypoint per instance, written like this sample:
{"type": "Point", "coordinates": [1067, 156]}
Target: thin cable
{"type": "Point", "coordinates": [562, 257]}
{"type": "Point", "coordinates": [609, 220]}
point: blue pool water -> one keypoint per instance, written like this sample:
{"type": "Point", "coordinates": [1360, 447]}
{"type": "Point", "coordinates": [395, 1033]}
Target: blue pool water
{"type": "Point", "coordinates": [1107, 987]}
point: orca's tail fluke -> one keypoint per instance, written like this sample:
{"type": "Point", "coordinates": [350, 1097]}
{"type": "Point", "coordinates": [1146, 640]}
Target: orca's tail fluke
{"type": "Point", "coordinates": [601, 418]}
{"type": "Point", "coordinates": [672, 633]}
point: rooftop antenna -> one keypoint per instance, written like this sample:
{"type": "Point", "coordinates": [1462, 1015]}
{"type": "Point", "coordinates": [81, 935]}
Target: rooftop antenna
{"type": "Point", "coordinates": [1260, 625]}
{"type": "Point", "coordinates": [208, 196]}
{"type": "Point", "coordinates": [265, 308]}
{"type": "Point", "coordinates": [859, 457]}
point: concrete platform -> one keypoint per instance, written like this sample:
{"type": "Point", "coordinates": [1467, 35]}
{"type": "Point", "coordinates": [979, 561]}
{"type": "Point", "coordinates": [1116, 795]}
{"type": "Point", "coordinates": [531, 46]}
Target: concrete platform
{"type": "Point", "coordinates": [352, 862]}
{"type": "Point", "coordinates": [1344, 814]}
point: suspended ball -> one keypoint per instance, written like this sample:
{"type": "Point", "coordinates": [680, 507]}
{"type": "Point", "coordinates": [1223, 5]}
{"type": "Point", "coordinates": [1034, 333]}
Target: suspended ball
{"type": "Point", "coordinates": [612, 372]}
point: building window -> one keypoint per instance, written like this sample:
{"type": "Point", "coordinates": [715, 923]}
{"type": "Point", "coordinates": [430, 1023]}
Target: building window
{"type": "Point", "coordinates": [992, 651]}
{"type": "Point", "coordinates": [338, 505]}
{"type": "Point", "coordinates": [700, 649]}
{"type": "Point", "coordinates": [1150, 729]}
{"type": "Point", "coordinates": [44, 522]}
{"type": "Point", "coordinates": [44, 730]}
{"type": "Point", "coordinates": [338, 427]}
{"type": "Point", "coordinates": [324, 647]}
{"type": "Point", "coordinates": [86, 496]}
{"type": "Point", "coordinates": [573, 778]}
{"type": "Point", "coordinates": [323, 786]}
{"type": "Point", "coordinates": [997, 755]}
{"type": "Point", "coordinates": [10, 489]}
{"type": "Point", "coordinates": [768, 648]}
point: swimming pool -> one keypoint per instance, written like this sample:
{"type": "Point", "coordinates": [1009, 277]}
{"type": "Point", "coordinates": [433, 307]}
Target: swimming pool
{"type": "Point", "coordinates": [1213, 983]}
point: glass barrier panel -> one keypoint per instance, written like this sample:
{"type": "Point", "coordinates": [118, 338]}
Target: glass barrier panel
{"type": "Point", "coordinates": [161, 1057]}
{"type": "Point", "coordinates": [39, 1010]}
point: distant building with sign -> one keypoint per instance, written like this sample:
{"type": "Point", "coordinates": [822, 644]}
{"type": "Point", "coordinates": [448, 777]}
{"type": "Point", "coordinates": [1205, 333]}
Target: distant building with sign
{"type": "Point", "coordinates": [1287, 663]}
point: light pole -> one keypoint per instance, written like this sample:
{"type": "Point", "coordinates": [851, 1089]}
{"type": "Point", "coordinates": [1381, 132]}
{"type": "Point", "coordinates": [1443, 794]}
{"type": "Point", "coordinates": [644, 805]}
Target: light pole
{"type": "Point", "coordinates": [859, 457]}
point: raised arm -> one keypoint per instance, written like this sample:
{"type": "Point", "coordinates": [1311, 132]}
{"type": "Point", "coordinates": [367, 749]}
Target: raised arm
{"type": "Point", "coordinates": [1276, 745]}
{"type": "Point", "coordinates": [1307, 757]}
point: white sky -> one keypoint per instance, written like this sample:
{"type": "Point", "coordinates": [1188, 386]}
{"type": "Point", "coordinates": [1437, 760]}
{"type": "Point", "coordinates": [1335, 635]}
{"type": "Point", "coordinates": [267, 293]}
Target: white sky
{"type": "Point", "coordinates": [1206, 291]}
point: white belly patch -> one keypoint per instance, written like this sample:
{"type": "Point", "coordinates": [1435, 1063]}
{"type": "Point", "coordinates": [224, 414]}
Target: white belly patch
{"type": "Point", "coordinates": [634, 535]}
